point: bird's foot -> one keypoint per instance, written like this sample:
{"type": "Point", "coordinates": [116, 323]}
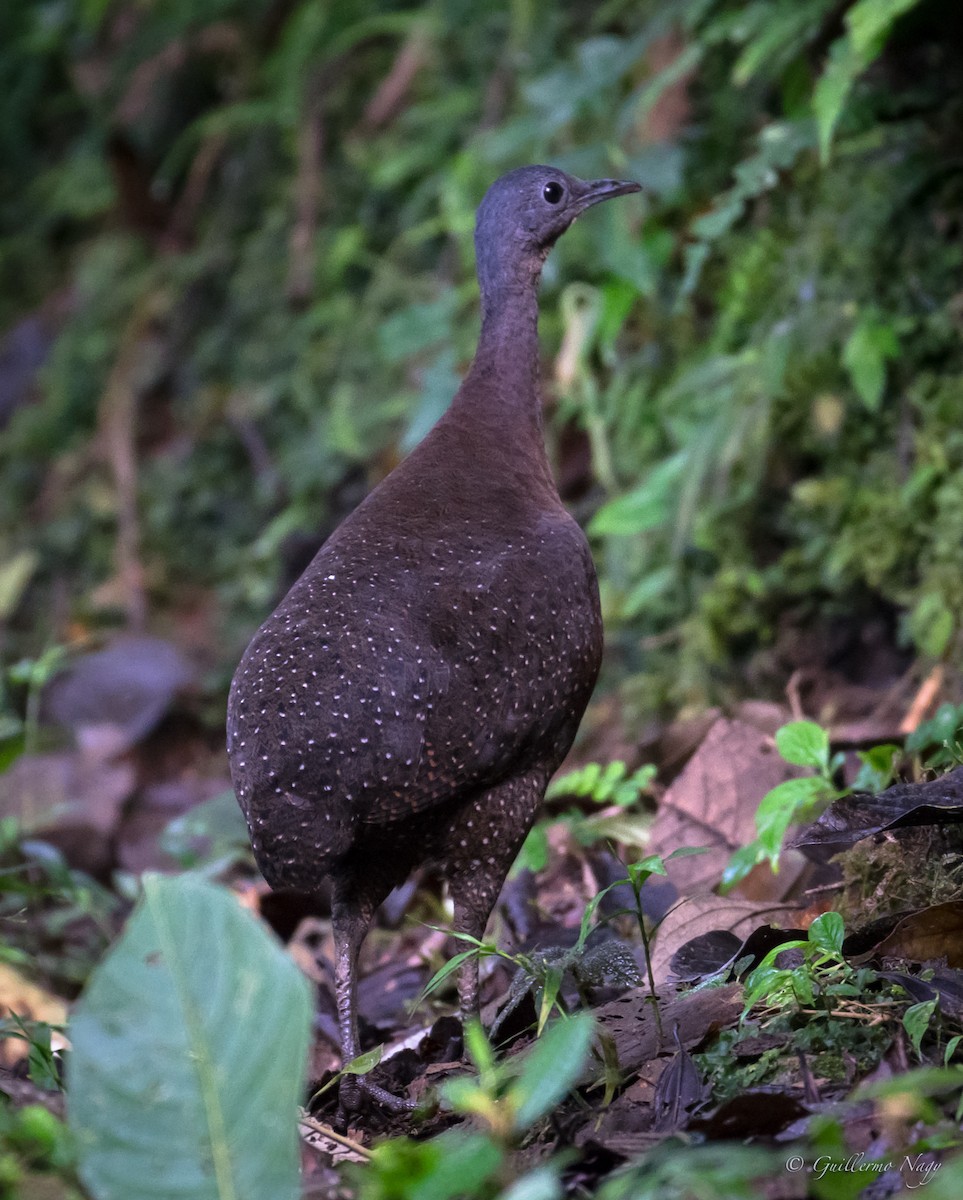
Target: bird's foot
{"type": "Point", "coordinates": [355, 1091]}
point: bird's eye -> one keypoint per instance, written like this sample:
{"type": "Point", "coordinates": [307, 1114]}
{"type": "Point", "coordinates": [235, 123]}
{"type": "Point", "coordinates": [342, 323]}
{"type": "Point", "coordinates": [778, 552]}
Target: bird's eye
{"type": "Point", "coordinates": [553, 192]}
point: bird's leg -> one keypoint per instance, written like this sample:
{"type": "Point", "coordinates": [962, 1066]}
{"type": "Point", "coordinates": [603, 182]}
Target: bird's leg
{"type": "Point", "coordinates": [349, 926]}
{"type": "Point", "coordinates": [468, 918]}
{"type": "Point", "coordinates": [351, 913]}
{"type": "Point", "coordinates": [481, 846]}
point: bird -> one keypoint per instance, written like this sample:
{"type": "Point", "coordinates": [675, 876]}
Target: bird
{"type": "Point", "coordinates": [410, 697]}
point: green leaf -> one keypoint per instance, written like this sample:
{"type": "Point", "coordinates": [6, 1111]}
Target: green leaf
{"type": "Point", "coordinates": [740, 864]}
{"type": "Point", "coordinates": [189, 1053]}
{"type": "Point", "coordinates": [779, 808]}
{"type": "Point", "coordinates": [865, 354]}
{"type": "Point", "coordinates": [802, 985]}
{"type": "Point", "coordinates": [827, 932]}
{"type": "Point", "coordinates": [534, 853]}
{"type": "Point", "coordinates": [551, 986]}
{"type": "Point", "coordinates": [213, 834]}
{"type": "Point", "coordinates": [540, 1184]}
{"type": "Point", "coordinates": [916, 1021]}
{"type": "Point", "coordinates": [588, 915]}
{"type": "Point", "coordinates": [804, 743]}
{"type": "Point", "coordinates": [416, 328]}
{"type": "Point", "coordinates": [443, 972]}
{"type": "Point", "coordinates": [870, 21]}
{"type": "Point", "coordinates": [779, 33]}
{"type": "Point", "coordinates": [843, 65]}
{"type": "Point", "coordinates": [650, 588]}
{"type": "Point", "coordinates": [765, 980]}
{"type": "Point", "coordinates": [15, 574]}
{"type": "Point", "coordinates": [437, 1169]}
{"type": "Point", "coordinates": [877, 768]}
{"type": "Point", "coordinates": [640, 871]}
{"type": "Point", "coordinates": [551, 1068]}
{"type": "Point", "coordinates": [647, 507]}
{"type": "Point", "coordinates": [364, 1062]}
{"type": "Point", "coordinates": [942, 727]}
{"type": "Point", "coordinates": [686, 852]}
{"type": "Point", "coordinates": [931, 625]}
{"type": "Point", "coordinates": [479, 1048]}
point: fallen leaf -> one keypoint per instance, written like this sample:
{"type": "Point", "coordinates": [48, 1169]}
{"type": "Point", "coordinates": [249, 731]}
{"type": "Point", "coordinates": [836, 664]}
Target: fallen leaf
{"type": "Point", "coordinates": [714, 800]}
{"type": "Point", "coordinates": [945, 985]}
{"type": "Point", "coordinates": [847, 821]}
{"type": "Point", "coordinates": [709, 953]}
{"type": "Point", "coordinates": [756, 1113]}
{"type": "Point", "coordinates": [700, 915]}
{"type": "Point", "coordinates": [112, 698]}
{"type": "Point", "coordinates": [70, 801]}
{"type": "Point", "coordinates": [929, 935]}
{"type": "Point", "coordinates": [19, 997]}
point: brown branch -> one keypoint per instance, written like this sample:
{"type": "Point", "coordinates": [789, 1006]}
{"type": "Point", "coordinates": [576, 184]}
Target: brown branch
{"type": "Point", "coordinates": [924, 700]}
{"type": "Point", "coordinates": [195, 188]}
{"type": "Point", "coordinates": [308, 190]}
{"type": "Point", "coordinates": [221, 38]}
{"type": "Point", "coordinates": [135, 371]}
{"type": "Point", "coordinates": [393, 91]}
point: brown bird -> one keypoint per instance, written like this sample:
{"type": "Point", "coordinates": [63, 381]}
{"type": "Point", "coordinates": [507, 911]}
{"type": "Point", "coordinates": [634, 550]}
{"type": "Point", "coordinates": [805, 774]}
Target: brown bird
{"type": "Point", "coordinates": [409, 699]}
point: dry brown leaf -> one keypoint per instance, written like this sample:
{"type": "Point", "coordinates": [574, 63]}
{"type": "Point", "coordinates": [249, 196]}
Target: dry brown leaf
{"type": "Point", "coordinates": [932, 934]}
{"type": "Point", "coordinates": [714, 800]}
{"type": "Point", "coordinates": [19, 997]}
{"type": "Point", "coordinates": [699, 915]}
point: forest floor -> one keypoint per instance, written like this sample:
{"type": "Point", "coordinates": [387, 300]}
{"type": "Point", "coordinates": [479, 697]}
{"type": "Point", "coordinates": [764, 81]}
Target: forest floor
{"type": "Point", "coordinates": [785, 1034]}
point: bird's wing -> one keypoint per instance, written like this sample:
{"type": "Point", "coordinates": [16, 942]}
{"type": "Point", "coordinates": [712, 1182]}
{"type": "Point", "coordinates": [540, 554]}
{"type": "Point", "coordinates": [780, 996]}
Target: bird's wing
{"type": "Point", "coordinates": [488, 675]}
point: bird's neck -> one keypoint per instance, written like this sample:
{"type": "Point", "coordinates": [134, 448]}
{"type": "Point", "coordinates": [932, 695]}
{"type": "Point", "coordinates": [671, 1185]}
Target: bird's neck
{"type": "Point", "coordinates": [502, 385]}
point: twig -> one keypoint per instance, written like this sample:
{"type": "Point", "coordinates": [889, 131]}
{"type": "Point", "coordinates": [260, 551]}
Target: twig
{"type": "Point", "coordinates": [222, 38]}
{"type": "Point", "coordinates": [340, 1138]}
{"type": "Point", "coordinates": [138, 365]}
{"type": "Point", "coordinates": [392, 93]}
{"type": "Point", "coordinates": [923, 700]}
{"type": "Point", "coordinates": [308, 190]}
{"type": "Point", "coordinates": [192, 195]}
{"type": "Point", "coordinates": [793, 688]}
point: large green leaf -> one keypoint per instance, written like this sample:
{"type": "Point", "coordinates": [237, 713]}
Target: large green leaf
{"type": "Point", "coordinates": [189, 1051]}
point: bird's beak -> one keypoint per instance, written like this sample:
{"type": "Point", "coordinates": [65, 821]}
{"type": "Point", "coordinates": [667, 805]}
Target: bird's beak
{"type": "Point", "coordinates": [603, 189]}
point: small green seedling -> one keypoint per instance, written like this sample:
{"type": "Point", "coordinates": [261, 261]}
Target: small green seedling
{"type": "Point", "coordinates": [506, 1100]}
{"type": "Point", "coordinates": [510, 1096]}
{"type": "Point", "coordinates": [939, 741]}
{"type": "Point", "coordinates": [42, 1067]}
{"type": "Point", "coordinates": [364, 1064]}
{"type": "Point", "coordinates": [804, 744]}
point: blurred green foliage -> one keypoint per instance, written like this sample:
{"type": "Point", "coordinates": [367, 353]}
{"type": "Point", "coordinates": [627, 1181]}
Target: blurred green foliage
{"type": "Point", "coordinates": [254, 219]}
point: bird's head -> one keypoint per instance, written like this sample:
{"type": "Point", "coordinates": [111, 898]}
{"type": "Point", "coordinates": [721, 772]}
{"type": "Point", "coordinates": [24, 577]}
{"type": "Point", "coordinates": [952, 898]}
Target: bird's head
{"type": "Point", "coordinates": [525, 212]}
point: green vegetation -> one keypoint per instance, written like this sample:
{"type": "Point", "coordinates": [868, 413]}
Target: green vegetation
{"type": "Point", "coordinates": [262, 262]}
{"type": "Point", "coordinates": [804, 744]}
